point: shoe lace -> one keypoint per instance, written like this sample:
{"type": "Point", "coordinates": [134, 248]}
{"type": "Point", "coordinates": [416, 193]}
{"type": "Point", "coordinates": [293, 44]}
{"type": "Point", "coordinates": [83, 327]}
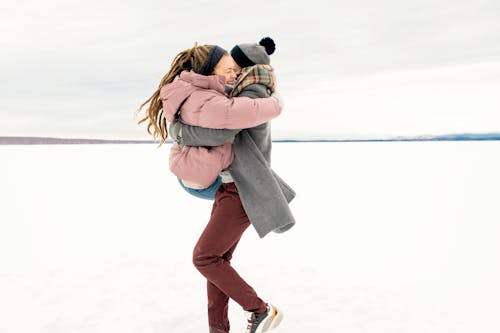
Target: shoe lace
{"type": "Point", "coordinates": [251, 322]}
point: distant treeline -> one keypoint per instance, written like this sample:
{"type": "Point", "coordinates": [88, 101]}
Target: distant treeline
{"type": "Point", "coordinates": [446, 137]}
{"type": "Point", "coordinates": [22, 140]}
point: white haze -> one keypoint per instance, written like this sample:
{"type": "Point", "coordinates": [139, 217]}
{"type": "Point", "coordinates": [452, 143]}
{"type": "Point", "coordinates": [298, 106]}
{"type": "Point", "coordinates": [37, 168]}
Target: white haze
{"type": "Point", "coordinates": [345, 69]}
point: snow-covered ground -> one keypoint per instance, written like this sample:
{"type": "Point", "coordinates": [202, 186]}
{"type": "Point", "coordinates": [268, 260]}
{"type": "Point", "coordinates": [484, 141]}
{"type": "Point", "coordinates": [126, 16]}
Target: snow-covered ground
{"type": "Point", "coordinates": [390, 237]}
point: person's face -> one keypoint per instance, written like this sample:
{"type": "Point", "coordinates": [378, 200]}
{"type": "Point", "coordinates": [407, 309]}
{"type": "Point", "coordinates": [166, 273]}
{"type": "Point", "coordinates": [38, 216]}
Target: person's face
{"type": "Point", "coordinates": [226, 68]}
{"type": "Point", "coordinates": [237, 67]}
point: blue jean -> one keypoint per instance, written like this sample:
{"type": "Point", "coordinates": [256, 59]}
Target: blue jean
{"type": "Point", "coordinates": [205, 193]}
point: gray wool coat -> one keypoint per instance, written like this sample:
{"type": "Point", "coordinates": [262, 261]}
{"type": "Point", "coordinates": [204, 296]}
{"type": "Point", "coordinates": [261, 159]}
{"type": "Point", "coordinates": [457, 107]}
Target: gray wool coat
{"type": "Point", "coordinates": [264, 195]}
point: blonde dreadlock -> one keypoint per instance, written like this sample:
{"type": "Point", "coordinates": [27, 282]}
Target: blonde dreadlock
{"type": "Point", "coordinates": [189, 59]}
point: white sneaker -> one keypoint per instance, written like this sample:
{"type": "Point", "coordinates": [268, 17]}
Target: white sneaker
{"type": "Point", "coordinates": [263, 322]}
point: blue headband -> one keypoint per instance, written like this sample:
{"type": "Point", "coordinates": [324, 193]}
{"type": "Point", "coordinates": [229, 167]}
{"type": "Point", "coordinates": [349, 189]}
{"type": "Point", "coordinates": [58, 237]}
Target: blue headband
{"type": "Point", "coordinates": [213, 58]}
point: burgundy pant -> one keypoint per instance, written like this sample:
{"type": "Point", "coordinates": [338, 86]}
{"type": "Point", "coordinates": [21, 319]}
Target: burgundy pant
{"type": "Point", "coordinates": [212, 257]}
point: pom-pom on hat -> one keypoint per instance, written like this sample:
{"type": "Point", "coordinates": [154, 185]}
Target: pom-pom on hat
{"type": "Point", "coordinates": [250, 54]}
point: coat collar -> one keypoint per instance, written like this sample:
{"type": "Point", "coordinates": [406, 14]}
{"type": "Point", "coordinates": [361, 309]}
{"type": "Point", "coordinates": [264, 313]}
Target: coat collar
{"type": "Point", "coordinates": [215, 82]}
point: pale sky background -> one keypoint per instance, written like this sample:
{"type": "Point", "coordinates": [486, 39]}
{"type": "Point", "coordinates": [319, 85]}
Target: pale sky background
{"type": "Point", "coordinates": [344, 68]}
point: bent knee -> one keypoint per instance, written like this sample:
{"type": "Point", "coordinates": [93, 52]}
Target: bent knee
{"type": "Point", "coordinates": [202, 259]}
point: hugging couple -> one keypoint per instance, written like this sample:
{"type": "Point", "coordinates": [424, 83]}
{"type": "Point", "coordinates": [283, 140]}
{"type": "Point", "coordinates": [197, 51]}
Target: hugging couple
{"type": "Point", "coordinates": [217, 107]}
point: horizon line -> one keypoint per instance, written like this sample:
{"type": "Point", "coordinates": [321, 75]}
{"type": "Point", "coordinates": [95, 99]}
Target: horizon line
{"type": "Point", "coordinates": [39, 140]}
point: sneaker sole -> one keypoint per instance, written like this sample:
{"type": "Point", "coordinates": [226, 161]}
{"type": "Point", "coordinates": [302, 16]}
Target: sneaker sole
{"type": "Point", "coordinates": [276, 320]}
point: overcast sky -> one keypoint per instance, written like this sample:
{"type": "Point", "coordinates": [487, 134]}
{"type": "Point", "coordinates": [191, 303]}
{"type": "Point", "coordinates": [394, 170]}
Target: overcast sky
{"type": "Point", "coordinates": [80, 68]}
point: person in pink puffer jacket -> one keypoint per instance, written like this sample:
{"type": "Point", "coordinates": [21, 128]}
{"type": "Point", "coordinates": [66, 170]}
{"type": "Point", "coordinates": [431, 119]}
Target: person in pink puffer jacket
{"type": "Point", "coordinates": [193, 91]}
{"type": "Point", "coordinates": [256, 80]}
{"type": "Point", "coordinates": [201, 100]}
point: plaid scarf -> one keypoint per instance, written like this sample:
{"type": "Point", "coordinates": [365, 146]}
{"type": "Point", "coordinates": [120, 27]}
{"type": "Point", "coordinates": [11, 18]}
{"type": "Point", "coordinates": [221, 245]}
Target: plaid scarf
{"type": "Point", "coordinates": [260, 74]}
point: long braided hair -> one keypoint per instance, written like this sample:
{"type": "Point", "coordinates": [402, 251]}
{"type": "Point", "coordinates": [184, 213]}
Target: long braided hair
{"type": "Point", "coordinates": [189, 59]}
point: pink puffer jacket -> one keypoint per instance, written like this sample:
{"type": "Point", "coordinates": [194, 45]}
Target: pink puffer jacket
{"type": "Point", "coordinates": [203, 102]}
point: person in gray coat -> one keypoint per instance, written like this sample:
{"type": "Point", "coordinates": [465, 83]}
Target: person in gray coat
{"type": "Point", "coordinates": [250, 193]}
{"type": "Point", "coordinates": [264, 195]}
